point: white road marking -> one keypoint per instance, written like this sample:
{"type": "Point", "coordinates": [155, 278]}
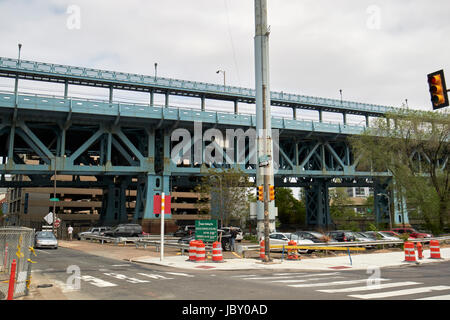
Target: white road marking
{"type": "Point", "coordinates": [120, 265]}
{"type": "Point", "coordinates": [400, 292]}
{"type": "Point", "coordinates": [287, 274]}
{"type": "Point", "coordinates": [334, 283]}
{"type": "Point", "coordinates": [124, 277]}
{"type": "Point", "coordinates": [180, 274]}
{"type": "Point", "coordinates": [373, 287]}
{"type": "Point", "coordinates": [97, 282]}
{"type": "Point", "coordinates": [154, 276]}
{"type": "Point", "coordinates": [244, 275]}
{"type": "Point", "coordinates": [444, 297]}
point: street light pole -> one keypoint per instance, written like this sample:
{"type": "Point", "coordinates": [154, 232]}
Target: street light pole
{"type": "Point", "coordinates": [264, 171]}
{"type": "Point", "coordinates": [223, 76]}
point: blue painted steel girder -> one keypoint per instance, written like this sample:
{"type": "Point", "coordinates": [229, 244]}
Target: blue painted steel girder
{"type": "Point", "coordinates": [125, 81]}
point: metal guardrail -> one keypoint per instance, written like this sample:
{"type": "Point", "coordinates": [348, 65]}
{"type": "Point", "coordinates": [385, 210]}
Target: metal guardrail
{"type": "Point", "coordinates": [329, 245]}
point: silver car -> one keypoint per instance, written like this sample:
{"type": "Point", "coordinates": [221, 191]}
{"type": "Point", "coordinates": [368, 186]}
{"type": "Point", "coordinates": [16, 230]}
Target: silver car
{"type": "Point", "coordinates": [45, 239]}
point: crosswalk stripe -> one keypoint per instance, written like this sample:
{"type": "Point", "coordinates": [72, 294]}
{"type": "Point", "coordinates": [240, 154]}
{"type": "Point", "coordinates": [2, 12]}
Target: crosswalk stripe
{"type": "Point", "coordinates": [334, 283]}
{"type": "Point", "coordinates": [399, 292]}
{"type": "Point", "coordinates": [287, 274]}
{"type": "Point", "coordinates": [305, 280]}
{"type": "Point", "coordinates": [372, 287]}
{"type": "Point", "coordinates": [180, 274]}
{"type": "Point", "coordinates": [444, 297]}
{"type": "Point", "coordinates": [290, 276]}
{"type": "Point", "coordinates": [97, 282]}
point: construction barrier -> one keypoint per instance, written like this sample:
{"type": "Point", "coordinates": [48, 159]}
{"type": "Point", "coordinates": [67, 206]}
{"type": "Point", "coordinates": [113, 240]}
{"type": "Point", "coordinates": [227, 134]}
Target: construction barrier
{"type": "Point", "coordinates": [12, 280]}
{"type": "Point", "coordinates": [435, 252]}
{"type": "Point", "coordinates": [193, 250]}
{"type": "Point", "coordinates": [419, 250]}
{"type": "Point", "coordinates": [262, 250]}
{"type": "Point", "coordinates": [217, 252]}
{"type": "Point", "coordinates": [410, 253]}
{"type": "Point", "coordinates": [200, 252]}
{"type": "Point", "coordinates": [292, 253]}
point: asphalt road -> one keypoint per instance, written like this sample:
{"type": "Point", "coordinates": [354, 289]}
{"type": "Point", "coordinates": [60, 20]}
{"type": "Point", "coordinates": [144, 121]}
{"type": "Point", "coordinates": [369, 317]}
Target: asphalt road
{"type": "Point", "coordinates": [89, 277]}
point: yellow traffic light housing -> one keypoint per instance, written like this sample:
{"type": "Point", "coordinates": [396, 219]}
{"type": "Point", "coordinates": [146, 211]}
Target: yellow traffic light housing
{"type": "Point", "coordinates": [438, 89]}
{"type": "Point", "coordinates": [260, 193]}
{"type": "Point", "coordinates": [271, 193]}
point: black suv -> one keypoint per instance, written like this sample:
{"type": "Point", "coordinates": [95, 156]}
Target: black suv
{"type": "Point", "coordinates": [125, 230]}
{"type": "Point", "coordinates": [342, 235]}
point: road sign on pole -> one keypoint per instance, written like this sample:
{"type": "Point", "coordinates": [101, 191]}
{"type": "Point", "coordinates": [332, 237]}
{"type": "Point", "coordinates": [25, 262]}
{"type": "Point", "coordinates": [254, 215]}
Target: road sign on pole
{"type": "Point", "coordinates": [57, 223]}
{"type": "Point", "coordinates": [49, 218]}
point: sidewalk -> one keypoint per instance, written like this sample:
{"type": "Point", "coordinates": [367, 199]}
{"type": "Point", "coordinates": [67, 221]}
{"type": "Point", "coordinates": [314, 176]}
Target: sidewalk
{"type": "Point", "coordinates": [358, 262]}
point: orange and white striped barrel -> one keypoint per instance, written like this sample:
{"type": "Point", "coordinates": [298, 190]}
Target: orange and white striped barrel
{"type": "Point", "coordinates": [435, 251]}
{"type": "Point", "coordinates": [262, 250]}
{"type": "Point", "coordinates": [217, 252]}
{"type": "Point", "coordinates": [192, 250]}
{"type": "Point", "coordinates": [419, 250]}
{"type": "Point", "coordinates": [410, 253]}
{"type": "Point", "coordinates": [292, 253]}
{"type": "Point", "coordinates": [200, 255]}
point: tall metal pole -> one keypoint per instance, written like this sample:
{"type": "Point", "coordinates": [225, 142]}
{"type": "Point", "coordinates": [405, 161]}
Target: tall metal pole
{"type": "Point", "coordinates": [163, 205]}
{"type": "Point", "coordinates": [264, 172]}
{"type": "Point", "coordinates": [54, 200]}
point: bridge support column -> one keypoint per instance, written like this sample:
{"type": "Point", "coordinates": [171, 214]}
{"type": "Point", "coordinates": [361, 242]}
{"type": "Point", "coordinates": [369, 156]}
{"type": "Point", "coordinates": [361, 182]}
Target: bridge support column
{"type": "Point", "coordinates": [400, 213]}
{"type": "Point", "coordinates": [381, 203]}
{"type": "Point", "coordinates": [114, 209]}
{"type": "Point", "coordinates": [317, 205]}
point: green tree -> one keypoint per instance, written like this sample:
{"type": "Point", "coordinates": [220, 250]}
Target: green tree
{"type": "Point", "coordinates": [414, 147]}
{"type": "Point", "coordinates": [290, 210]}
{"type": "Point", "coordinates": [225, 189]}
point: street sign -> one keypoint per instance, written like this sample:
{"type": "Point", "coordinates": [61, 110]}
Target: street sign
{"type": "Point", "coordinates": [206, 230]}
{"type": "Point", "coordinates": [157, 204]}
{"type": "Point", "coordinates": [54, 199]}
{"type": "Point", "coordinates": [57, 223]}
{"type": "Point", "coordinates": [49, 218]}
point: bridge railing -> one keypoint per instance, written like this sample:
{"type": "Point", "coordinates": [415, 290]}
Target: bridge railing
{"type": "Point", "coordinates": [58, 103]}
{"type": "Point", "coordinates": [245, 94]}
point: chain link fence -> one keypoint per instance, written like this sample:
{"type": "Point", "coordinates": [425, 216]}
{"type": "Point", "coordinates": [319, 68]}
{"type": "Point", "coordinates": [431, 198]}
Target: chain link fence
{"type": "Point", "coordinates": [15, 243]}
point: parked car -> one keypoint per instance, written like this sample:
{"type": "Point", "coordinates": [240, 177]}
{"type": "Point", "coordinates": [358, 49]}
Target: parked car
{"type": "Point", "coordinates": [412, 233]}
{"type": "Point", "coordinates": [45, 239]}
{"type": "Point", "coordinates": [342, 235]}
{"type": "Point", "coordinates": [184, 231]}
{"type": "Point", "coordinates": [314, 236]}
{"type": "Point", "coordinates": [125, 230]}
{"type": "Point", "coordinates": [391, 234]}
{"type": "Point", "coordinates": [381, 235]}
{"type": "Point", "coordinates": [97, 231]}
{"type": "Point", "coordinates": [280, 238]}
{"type": "Point", "coordinates": [240, 234]}
{"type": "Point", "coordinates": [362, 237]}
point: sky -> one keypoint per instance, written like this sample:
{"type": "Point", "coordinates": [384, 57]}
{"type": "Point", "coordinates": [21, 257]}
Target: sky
{"type": "Point", "coordinates": [374, 51]}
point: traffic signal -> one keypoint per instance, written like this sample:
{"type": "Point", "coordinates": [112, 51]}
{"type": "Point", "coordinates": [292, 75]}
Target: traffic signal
{"type": "Point", "coordinates": [438, 89]}
{"type": "Point", "coordinates": [260, 193]}
{"type": "Point", "coordinates": [271, 193]}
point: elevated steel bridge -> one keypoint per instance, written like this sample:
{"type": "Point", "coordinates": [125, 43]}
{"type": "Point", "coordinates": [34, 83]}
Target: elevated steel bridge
{"type": "Point", "coordinates": [126, 145]}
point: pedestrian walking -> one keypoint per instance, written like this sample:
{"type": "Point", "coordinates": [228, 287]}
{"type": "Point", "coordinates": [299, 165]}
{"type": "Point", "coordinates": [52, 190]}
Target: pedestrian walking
{"type": "Point", "coordinates": [233, 239]}
{"type": "Point", "coordinates": [70, 231]}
